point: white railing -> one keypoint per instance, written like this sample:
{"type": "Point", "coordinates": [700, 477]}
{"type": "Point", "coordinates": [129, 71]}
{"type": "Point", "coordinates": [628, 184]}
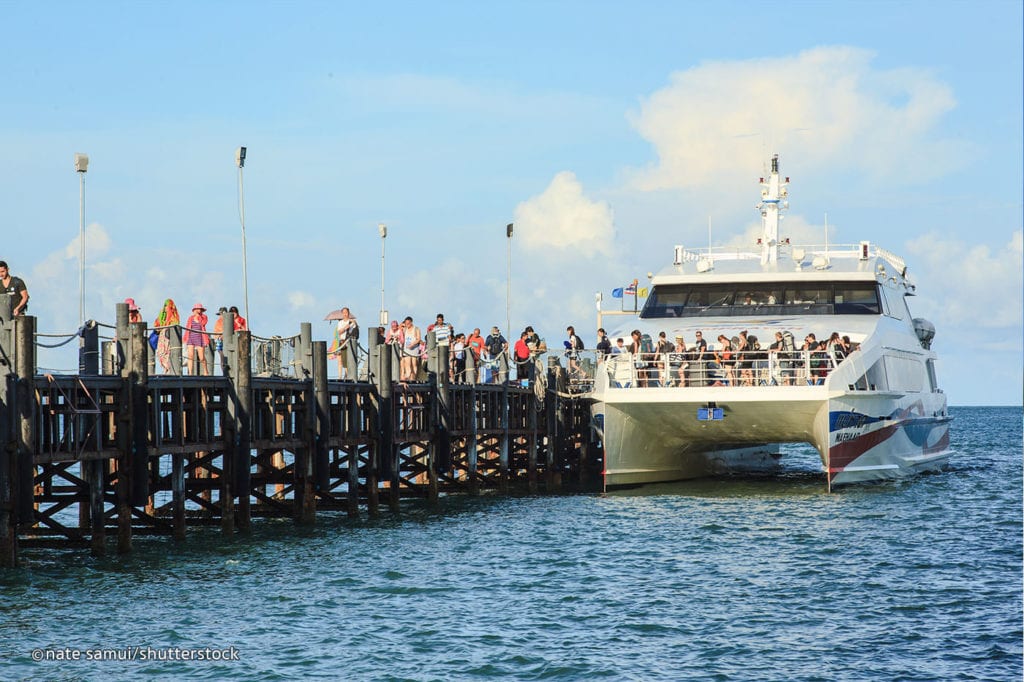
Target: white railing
{"type": "Point", "coordinates": [685, 370]}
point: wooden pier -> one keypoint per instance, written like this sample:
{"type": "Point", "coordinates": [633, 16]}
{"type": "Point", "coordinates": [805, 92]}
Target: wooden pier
{"type": "Point", "coordinates": [125, 453]}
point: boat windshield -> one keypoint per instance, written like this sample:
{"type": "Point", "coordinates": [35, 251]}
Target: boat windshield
{"type": "Point", "coordinates": [781, 298]}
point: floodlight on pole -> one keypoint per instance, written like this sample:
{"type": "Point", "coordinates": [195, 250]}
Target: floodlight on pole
{"type": "Point", "coordinates": [240, 162]}
{"type": "Point", "coordinates": [508, 284]}
{"type": "Point", "coordinates": [383, 230]}
{"type": "Point", "coordinates": [81, 167]}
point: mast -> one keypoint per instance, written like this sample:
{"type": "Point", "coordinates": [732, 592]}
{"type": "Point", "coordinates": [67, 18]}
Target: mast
{"type": "Point", "coordinates": [773, 202]}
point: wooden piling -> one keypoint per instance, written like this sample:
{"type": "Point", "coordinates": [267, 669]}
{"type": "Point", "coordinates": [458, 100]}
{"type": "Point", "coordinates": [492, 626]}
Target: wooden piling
{"type": "Point", "coordinates": [376, 347]}
{"type": "Point", "coordinates": [97, 513]}
{"type": "Point", "coordinates": [178, 495]}
{"type": "Point", "coordinates": [473, 482]}
{"type": "Point", "coordinates": [88, 365]}
{"type": "Point", "coordinates": [89, 349]}
{"type": "Point", "coordinates": [120, 339]}
{"type": "Point", "coordinates": [552, 476]}
{"type": "Point", "coordinates": [243, 445]}
{"type": "Point", "coordinates": [387, 455]}
{"type": "Point", "coordinates": [320, 430]}
{"type": "Point", "coordinates": [25, 369]}
{"type": "Point", "coordinates": [531, 439]}
{"type": "Point", "coordinates": [138, 389]}
{"type": "Point", "coordinates": [8, 524]}
{"type": "Point", "coordinates": [439, 354]}
{"type": "Point", "coordinates": [506, 442]}
{"type": "Point", "coordinates": [351, 432]}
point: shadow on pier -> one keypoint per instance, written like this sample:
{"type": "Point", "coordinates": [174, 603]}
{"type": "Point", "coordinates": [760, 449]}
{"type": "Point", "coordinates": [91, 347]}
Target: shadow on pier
{"type": "Point", "coordinates": [124, 453]}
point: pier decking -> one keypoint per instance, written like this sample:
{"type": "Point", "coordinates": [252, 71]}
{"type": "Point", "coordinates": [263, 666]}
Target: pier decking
{"type": "Point", "coordinates": [127, 453]}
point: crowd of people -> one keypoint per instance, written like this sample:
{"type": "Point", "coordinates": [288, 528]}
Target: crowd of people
{"type": "Point", "coordinates": [737, 361]}
{"type": "Point", "coordinates": [194, 336]}
{"type": "Point", "coordinates": [493, 360]}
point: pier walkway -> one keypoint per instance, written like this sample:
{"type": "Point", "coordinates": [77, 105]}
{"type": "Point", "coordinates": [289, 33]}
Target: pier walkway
{"type": "Point", "coordinates": [123, 452]}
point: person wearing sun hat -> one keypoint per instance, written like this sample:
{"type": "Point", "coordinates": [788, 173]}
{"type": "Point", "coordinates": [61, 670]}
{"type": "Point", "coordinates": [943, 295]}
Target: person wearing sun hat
{"type": "Point", "coordinates": [134, 314]}
{"type": "Point", "coordinates": [196, 339]}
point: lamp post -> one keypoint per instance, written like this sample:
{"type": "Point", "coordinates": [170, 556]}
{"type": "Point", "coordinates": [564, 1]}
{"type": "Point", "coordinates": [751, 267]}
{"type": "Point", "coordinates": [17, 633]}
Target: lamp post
{"type": "Point", "coordinates": [383, 229]}
{"type": "Point", "coordinates": [81, 166]}
{"type": "Point", "coordinates": [508, 284]}
{"type": "Point", "coordinates": [240, 162]}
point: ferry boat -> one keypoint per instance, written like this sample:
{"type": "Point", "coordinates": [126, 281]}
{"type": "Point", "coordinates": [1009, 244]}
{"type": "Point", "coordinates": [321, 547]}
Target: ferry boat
{"type": "Point", "coordinates": [871, 405]}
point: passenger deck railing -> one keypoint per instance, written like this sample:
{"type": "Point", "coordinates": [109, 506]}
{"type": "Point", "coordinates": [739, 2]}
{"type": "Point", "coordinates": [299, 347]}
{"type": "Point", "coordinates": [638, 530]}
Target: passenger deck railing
{"type": "Point", "coordinates": [686, 370]}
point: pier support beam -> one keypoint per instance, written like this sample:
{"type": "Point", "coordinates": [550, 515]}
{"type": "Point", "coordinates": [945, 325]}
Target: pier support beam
{"type": "Point", "coordinates": [178, 496]}
{"type": "Point", "coordinates": [472, 447]}
{"type": "Point", "coordinates": [506, 442]}
{"type": "Point", "coordinates": [25, 369]}
{"type": "Point", "coordinates": [242, 478]}
{"type": "Point", "coordinates": [8, 525]}
{"type": "Point", "coordinates": [97, 514]}
{"type": "Point", "coordinates": [387, 456]}
{"type": "Point", "coordinates": [351, 431]}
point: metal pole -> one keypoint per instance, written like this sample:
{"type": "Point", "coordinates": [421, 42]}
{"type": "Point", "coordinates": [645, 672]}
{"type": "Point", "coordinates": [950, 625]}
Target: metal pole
{"type": "Point", "coordinates": [81, 239]}
{"type": "Point", "coordinates": [508, 284]}
{"type": "Point", "coordinates": [240, 160]}
{"type": "Point", "coordinates": [383, 229]}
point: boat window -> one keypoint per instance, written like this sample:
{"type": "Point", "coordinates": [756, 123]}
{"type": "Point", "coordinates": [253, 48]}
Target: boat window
{"type": "Point", "coordinates": [896, 306]}
{"type": "Point", "coordinates": [904, 374]}
{"type": "Point", "coordinates": [933, 383]}
{"type": "Point", "coordinates": [856, 299]}
{"type": "Point", "coordinates": [793, 298]}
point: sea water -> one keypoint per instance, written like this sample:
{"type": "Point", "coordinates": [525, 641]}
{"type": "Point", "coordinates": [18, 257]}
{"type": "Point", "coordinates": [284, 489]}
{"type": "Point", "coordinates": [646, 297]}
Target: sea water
{"type": "Point", "coordinates": [720, 579]}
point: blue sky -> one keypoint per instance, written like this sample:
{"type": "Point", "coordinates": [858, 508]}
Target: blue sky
{"type": "Point", "coordinates": [608, 132]}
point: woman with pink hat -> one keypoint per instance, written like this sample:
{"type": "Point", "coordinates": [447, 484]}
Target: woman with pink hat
{"type": "Point", "coordinates": [196, 339]}
{"type": "Point", "coordinates": [134, 314]}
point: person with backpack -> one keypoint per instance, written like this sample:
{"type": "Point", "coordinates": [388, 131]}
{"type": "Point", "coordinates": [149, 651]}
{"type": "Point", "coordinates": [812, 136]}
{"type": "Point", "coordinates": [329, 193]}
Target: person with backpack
{"type": "Point", "coordinates": [573, 346]}
{"type": "Point", "coordinates": [494, 345]}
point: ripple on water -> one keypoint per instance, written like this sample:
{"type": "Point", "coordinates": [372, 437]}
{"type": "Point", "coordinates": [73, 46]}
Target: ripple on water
{"type": "Point", "coordinates": [720, 579]}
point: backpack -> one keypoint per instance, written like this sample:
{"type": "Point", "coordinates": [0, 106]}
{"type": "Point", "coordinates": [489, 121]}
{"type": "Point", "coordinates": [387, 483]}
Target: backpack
{"type": "Point", "coordinates": [646, 345]}
{"type": "Point", "coordinates": [787, 341]}
{"type": "Point", "coordinates": [494, 345]}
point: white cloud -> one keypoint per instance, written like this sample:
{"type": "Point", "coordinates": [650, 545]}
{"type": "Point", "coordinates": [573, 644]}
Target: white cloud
{"type": "Point", "coordinates": [301, 300]}
{"type": "Point", "coordinates": [969, 288]}
{"type": "Point", "coordinates": [822, 105]}
{"type": "Point", "coordinates": [563, 218]}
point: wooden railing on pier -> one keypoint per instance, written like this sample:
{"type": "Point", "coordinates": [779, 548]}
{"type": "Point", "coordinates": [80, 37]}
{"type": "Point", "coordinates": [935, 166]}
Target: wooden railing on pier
{"type": "Point", "coordinates": [136, 453]}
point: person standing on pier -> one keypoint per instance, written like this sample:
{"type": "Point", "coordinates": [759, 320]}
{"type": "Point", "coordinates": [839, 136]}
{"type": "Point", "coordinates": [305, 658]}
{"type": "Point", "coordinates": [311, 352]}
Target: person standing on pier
{"type": "Point", "coordinates": [217, 340]}
{"type": "Point", "coordinates": [134, 314]}
{"type": "Point", "coordinates": [196, 339]}
{"type": "Point", "coordinates": [495, 344]}
{"type": "Point", "coordinates": [443, 332]}
{"type": "Point", "coordinates": [411, 348]}
{"type": "Point", "coordinates": [524, 359]}
{"type": "Point", "coordinates": [167, 318]}
{"type": "Point", "coordinates": [240, 322]}
{"type": "Point", "coordinates": [343, 333]}
{"type": "Point", "coordinates": [15, 288]}
{"type": "Point", "coordinates": [475, 343]}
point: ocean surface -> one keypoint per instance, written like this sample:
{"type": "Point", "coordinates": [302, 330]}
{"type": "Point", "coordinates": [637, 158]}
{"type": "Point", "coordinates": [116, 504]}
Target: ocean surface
{"type": "Point", "coordinates": [725, 579]}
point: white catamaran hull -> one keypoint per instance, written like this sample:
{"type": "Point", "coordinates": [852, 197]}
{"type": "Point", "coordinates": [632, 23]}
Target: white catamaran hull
{"type": "Point", "coordinates": [655, 435]}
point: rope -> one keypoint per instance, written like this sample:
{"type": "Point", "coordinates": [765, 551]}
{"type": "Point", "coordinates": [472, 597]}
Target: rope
{"type": "Point", "coordinates": [56, 345]}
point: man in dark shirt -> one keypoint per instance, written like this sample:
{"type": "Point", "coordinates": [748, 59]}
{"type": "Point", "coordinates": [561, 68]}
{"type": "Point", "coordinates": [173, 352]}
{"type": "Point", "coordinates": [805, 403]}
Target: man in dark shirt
{"type": "Point", "coordinates": [15, 288]}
